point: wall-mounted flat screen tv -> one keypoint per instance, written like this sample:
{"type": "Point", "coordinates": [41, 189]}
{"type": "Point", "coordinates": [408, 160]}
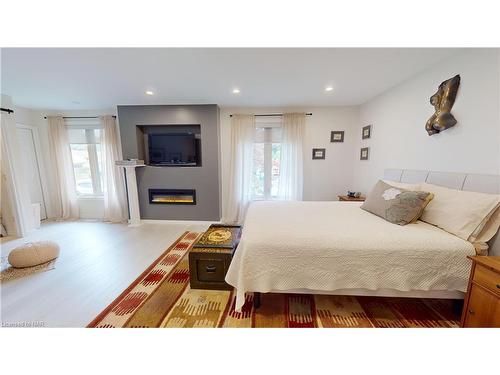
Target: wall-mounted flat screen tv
{"type": "Point", "coordinates": [174, 149]}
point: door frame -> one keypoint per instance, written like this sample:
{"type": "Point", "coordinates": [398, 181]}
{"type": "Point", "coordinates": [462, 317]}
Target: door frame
{"type": "Point", "coordinates": [23, 213]}
{"type": "Point", "coordinates": [42, 173]}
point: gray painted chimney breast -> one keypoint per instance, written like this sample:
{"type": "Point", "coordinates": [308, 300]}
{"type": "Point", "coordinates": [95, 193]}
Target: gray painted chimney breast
{"type": "Point", "coordinates": [204, 179]}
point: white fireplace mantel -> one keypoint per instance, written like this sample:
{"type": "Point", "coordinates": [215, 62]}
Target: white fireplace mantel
{"type": "Point", "coordinates": [132, 193]}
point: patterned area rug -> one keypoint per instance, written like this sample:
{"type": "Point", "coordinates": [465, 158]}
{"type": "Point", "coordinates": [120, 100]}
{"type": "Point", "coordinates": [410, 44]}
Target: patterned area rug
{"type": "Point", "coordinates": [161, 297]}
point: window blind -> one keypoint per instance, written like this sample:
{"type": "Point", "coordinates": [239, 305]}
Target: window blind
{"type": "Point", "coordinates": [84, 136]}
{"type": "Point", "coordinates": [267, 129]}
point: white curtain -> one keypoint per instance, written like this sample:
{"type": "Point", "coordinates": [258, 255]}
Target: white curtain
{"type": "Point", "coordinates": [291, 167]}
{"type": "Point", "coordinates": [64, 194]}
{"type": "Point", "coordinates": [115, 204]}
{"type": "Point", "coordinates": [241, 164]}
{"type": "Point", "coordinates": [15, 196]}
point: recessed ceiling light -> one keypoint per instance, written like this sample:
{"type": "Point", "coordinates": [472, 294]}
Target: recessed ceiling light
{"type": "Point", "coordinates": [236, 91]}
{"type": "Point", "coordinates": [149, 92]}
{"type": "Point", "coordinates": [328, 88]}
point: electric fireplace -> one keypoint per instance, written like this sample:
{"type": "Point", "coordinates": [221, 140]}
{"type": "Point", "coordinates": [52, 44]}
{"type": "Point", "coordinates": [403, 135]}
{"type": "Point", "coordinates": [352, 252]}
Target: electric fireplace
{"type": "Point", "coordinates": [172, 196]}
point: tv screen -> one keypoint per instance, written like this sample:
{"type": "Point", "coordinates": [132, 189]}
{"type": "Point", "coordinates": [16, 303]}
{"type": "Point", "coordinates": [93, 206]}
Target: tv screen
{"type": "Point", "coordinates": [173, 149]}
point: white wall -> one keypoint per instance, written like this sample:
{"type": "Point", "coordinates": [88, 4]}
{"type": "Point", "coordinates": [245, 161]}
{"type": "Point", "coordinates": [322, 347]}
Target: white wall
{"type": "Point", "coordinates": [398, 116]}
{"type": "Point", "coordinates": [90, 208]}
{"type": "Point", "coordinates": [323, 179]}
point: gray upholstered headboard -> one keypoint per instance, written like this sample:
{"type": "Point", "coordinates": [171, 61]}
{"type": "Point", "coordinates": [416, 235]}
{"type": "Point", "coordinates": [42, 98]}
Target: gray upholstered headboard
{"type": "Point", "coordinates": [481, 183]}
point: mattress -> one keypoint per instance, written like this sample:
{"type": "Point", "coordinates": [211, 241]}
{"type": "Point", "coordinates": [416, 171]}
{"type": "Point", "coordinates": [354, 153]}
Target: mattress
{"type": "Point", "coordinates": [325, 246]}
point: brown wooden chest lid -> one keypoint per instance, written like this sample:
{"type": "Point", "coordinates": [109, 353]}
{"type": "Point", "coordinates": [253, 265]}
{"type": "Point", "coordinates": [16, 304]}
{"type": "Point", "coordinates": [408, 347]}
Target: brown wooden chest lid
{"type": "Point", "coordinates": [220, 236]}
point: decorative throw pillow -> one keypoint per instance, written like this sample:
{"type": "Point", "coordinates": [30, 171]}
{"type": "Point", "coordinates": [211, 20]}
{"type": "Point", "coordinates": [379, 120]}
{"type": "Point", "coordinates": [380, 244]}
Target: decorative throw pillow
{"type": "Point", "coordinates": [398, 206]}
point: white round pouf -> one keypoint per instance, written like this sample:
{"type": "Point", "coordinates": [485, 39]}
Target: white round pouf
{"type": "Point", "coordinates": [33, 253]}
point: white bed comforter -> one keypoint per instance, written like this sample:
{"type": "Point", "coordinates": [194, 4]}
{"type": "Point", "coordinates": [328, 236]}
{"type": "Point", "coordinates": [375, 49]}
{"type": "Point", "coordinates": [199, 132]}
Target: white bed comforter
{"type": "Point", "coordinates": [337, 245]}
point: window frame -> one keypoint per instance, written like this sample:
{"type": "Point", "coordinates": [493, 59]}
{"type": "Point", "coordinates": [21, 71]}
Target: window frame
{"type": "Point", "coordinates": [268, 125]}
{"type": "Point", "coordinates": [268, 162]}
{"type": "Point", "coordinates": [93, 153]}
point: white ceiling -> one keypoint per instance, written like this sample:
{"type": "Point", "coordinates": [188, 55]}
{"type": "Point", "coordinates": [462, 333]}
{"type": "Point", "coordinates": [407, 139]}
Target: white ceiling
{"type": "Point", "coordinates": [95, 78]}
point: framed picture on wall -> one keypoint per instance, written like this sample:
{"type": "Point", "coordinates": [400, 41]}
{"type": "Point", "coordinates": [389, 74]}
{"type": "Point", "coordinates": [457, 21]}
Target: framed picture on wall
{"type": "Point", "coordinates": [364, 154]}
{"type": "Point", "coordinates": [318, 153]}
{"type": "Point", "coordinates": [337, 136]}
{"type": "Point", "coordinates": [367, 132]}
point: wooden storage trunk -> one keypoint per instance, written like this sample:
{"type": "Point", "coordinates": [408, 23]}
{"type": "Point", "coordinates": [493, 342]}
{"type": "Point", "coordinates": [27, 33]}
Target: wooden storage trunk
{"type": "Point", "coordinates": [211, 255]}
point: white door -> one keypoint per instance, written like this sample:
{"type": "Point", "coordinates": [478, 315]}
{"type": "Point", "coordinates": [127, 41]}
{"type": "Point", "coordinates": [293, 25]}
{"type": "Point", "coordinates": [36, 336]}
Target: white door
{"type": "Point", "coordinates": [31, 167]}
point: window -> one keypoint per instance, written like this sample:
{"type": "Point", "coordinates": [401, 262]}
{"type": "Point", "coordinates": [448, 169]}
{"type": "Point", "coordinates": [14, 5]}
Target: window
{"type": "Point", "coordinates": [86, 153]}
{"type": "Point", "coordinates": [266, 158]}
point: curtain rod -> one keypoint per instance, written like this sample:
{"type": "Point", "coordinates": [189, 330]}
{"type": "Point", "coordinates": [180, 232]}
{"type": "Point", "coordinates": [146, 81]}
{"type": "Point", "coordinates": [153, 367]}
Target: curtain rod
{"type": "Point", "coordinates": [6, 110]}
{"type": "Point", "coordinates": [274, 115]}
{"type": "Point", "coordinates": [80, 117]}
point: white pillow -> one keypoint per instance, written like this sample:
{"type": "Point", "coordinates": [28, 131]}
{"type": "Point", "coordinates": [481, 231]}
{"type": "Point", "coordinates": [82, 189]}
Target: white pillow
{"type": "Point", "coordinates": [481, 248]}
{"type": "Point", "coordinates": [458, 212]}
{"type": "Point", "coordinates": [488, 228]}
{"type": "Point", "coordinates": [403, 185]}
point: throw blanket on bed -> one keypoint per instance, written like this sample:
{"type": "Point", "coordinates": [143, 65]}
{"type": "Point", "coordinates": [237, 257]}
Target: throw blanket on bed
{"type": "Point", "coordinates": [336, 245]}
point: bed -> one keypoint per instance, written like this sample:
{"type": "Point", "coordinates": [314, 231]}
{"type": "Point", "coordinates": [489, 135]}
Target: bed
{"type": "Point", "coordinates": [338, 248]}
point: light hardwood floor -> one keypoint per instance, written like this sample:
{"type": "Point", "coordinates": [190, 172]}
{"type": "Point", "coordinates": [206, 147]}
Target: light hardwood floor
{"type": "Point", "coordinates": [97, 262]}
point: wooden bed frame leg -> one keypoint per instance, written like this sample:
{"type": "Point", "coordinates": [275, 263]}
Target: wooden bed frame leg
{"type": "Point", "coordinates": [458, 305]}
{"type": "Point", "coordinates": [256, 300]}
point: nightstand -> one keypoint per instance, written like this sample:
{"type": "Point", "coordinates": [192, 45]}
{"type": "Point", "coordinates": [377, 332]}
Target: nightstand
{"type": "Point", "coordinates": [345, 198]}
{"type": "Point", "coordinates": [482, 303]}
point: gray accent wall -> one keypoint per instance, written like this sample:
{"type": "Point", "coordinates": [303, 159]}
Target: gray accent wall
{"type": "Point", "coordinates": [204, 179]}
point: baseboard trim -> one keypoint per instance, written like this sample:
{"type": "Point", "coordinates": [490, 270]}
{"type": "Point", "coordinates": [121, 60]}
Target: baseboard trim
{"type": "Point", "coordinates": [184, 222]}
